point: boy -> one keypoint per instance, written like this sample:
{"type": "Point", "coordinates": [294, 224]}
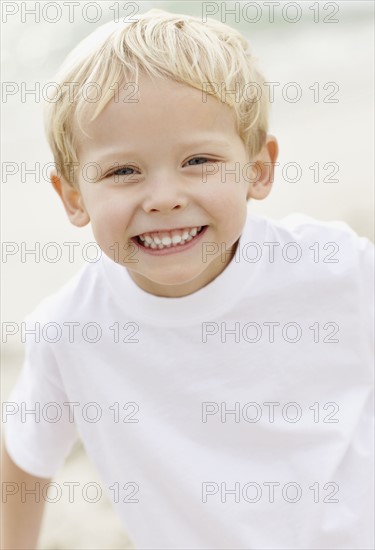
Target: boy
{"type": "Point", "coordinates": [215, 364]}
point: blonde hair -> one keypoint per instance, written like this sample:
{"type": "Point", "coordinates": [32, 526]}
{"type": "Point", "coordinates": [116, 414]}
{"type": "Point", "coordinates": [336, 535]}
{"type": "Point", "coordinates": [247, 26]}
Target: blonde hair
{"type": "Point", "coordinates": [162, 44]}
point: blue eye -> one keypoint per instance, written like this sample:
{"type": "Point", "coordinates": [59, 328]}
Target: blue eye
{"type": "Point", "coordinates": [120, 171]}
{"type": "Point", "coordinates": [197, 158]}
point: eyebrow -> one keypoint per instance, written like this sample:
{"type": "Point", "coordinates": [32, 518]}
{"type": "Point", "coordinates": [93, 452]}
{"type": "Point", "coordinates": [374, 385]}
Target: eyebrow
{"type": "Point", "coordinates": [194, 143]}
{"type": "Point", "coordinates": [207, 141]}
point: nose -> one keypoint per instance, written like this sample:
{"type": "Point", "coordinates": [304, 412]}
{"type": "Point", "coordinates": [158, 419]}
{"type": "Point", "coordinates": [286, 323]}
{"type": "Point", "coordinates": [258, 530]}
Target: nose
{"type": "Point", "coordinates": [164, 195]}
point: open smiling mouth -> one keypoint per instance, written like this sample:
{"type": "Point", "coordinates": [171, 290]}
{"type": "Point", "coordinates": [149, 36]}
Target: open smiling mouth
{"type": "Point", "coordinates": [174, 241]}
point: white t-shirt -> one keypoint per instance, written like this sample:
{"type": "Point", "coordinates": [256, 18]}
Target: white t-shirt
{"type": "Point", "coordinates": [239, 416]}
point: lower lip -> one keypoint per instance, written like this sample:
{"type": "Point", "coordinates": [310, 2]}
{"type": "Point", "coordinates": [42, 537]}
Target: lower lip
{"type": "Point", "coordinates": [172, 249]}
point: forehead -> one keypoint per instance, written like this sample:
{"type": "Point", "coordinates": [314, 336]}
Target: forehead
{"type": "Point", "coordinates": [156, 111]}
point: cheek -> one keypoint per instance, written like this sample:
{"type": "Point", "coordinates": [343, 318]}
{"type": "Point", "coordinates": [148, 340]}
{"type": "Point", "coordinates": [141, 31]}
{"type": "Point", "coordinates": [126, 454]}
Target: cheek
{"type": "Point", "coordinates": [109, 216]}
{"type": "Point", "coordinates": [227, 184]}
{"type": "Point", "coordinates": [226, 199]}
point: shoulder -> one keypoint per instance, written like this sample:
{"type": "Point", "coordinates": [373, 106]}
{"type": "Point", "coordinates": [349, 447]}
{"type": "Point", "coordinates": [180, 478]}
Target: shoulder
{"type": "Point", "coordinates": [299, 250]}
{"type": "Point", "coordinates": [301, 226]}
{"type": "Point", "coordinates": [75, 299]}
{"type": "Point", "coordinates": [353, 250]}
{"type": "Point", "coordinates": [307, 231]}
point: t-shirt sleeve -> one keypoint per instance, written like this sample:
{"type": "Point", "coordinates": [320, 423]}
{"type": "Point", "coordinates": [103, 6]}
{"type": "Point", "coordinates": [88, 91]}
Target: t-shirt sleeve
{"type": "Point", "coordinates": [38, 428]}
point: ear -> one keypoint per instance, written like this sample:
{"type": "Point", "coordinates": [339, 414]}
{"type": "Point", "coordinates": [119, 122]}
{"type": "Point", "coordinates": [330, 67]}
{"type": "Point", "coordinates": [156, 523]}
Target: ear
{"type": "Point", "coordinates": [71, 199]}
{"type": "Point", "coordinates": [263, 167]}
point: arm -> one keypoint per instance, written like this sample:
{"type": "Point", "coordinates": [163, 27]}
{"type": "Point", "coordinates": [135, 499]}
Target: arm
{"type": "Point", "coordinates": [20, 520]}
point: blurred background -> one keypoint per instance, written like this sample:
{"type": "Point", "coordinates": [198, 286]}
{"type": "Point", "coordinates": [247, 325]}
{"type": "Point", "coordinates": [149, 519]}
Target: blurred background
{"type": "Point", "coordinates": [328, 52]}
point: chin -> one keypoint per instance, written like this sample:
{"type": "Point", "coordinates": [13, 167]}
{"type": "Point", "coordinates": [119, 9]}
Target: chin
{"type": "Point", "coordinates": [173, 280]}
{"type": "Point", "coordinates": [179, 276]}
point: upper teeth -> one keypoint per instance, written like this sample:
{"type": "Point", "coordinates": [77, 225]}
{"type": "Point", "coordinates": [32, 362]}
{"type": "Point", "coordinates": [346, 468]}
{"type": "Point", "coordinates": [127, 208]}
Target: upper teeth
{"type": "Point", "coordinates": [169, 238]}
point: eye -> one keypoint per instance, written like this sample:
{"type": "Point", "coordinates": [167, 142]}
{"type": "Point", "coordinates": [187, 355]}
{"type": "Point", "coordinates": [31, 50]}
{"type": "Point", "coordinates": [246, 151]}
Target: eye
{"type": "Point", "coordinates": [197, 159]}
{"type": "Point", "coordinates": [122, 171]}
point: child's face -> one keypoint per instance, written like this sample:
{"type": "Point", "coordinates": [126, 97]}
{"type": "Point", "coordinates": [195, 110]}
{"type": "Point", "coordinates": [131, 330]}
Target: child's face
{"type": "Point", "coordinates": [156, 145]}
